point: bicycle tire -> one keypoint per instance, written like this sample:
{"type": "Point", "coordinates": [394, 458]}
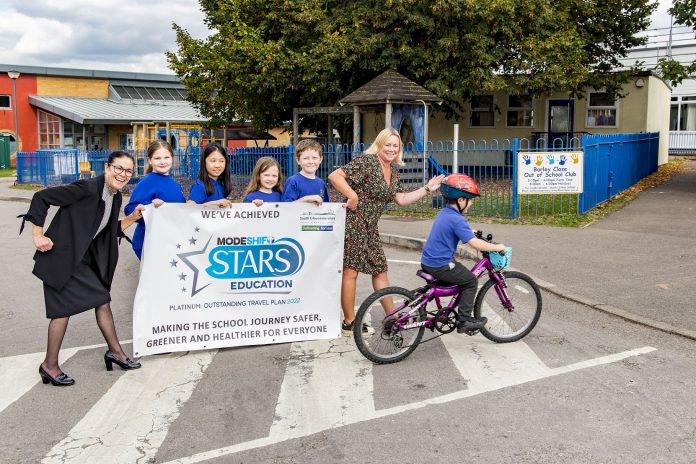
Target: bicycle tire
{"type": "Point", "coordinates": [384, 346]}
{"type": "Point", "coordinates": [505, 326]}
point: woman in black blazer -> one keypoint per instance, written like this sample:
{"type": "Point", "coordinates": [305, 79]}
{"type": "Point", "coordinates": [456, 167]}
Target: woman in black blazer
{"type": "Point", "coordinates": [76, 257]}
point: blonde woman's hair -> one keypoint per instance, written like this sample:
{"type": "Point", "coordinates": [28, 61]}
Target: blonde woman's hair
{"type": "Point", "coordinates": [263, 164]}
{"type": "Point", "coordinates": [153, 147]}
{"type": "Point", "coordinates": [381, 139]}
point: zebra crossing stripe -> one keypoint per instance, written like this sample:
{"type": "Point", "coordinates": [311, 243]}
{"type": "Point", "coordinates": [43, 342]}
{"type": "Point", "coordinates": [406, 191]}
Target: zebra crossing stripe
{"type": "Point", "coordinates": [130, 422]}
{"type": "Point", "coordinates": [25, 372]}
{"type": "Point", "coordinates": [327, 384]}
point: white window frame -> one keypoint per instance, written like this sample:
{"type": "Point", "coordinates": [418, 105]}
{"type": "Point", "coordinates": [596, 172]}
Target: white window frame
{"type": "Point", "coordinates": [6, 108]}
{"type": "Point", "coordinates": [472, 110]}
{"type": "Point", "coordinates": [520, 108]}
{"type": "Point", "coordinates": [681, 102]}
{"type": "Point", "coordinates": [614, 107]}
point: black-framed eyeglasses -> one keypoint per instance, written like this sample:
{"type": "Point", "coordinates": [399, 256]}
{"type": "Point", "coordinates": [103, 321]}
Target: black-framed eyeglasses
{"type": "Point", "coordinates": [121, 170]}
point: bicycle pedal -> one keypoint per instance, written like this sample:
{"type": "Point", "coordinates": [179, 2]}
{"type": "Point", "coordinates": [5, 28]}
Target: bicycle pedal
{"type": "Point", "coordinates": [472, 332]}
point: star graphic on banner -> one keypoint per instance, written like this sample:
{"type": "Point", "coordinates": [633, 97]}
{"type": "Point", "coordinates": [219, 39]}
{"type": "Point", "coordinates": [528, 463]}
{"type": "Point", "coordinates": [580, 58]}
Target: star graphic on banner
{"type": "Point", "coordinates": [183, 289]}
{"type": "Point", "coordinates": [197, 229]}
{"type": "Point", "coordinates": [178, 246]}
{"type": "Point", "coordinates": [182, 276]}
{"type": "Point", "coordinates": [189, 258]}
{"type": "Point", "coordinates": [173, 262]}
{"type": "Point", "coordinates": [192, 241]}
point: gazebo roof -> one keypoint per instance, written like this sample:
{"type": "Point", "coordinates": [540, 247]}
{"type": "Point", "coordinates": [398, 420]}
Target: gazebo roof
{"type": "Point", "coordinates": [390, 87]}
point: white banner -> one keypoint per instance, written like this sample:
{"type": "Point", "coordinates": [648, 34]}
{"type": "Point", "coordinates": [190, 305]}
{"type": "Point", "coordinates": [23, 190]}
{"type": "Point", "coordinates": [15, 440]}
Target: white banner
{"type": "Point", "coordinates": [549, 172]}
{"type": "Point", "coordinates": [245, 275]}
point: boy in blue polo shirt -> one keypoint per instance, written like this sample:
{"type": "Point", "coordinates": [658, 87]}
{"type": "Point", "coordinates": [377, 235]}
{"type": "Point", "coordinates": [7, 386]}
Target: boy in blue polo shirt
{"type": "Point", "coordinates": [306, 186]}
{"type": "Point", "coordinates": [449, 228]}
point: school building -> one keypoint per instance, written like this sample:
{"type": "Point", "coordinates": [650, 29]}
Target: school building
{"type": "Point", "coordinates": [59, 108]}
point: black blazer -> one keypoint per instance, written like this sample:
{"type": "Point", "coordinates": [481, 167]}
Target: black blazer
{"type": "Point", "coordinates": [72, 229]}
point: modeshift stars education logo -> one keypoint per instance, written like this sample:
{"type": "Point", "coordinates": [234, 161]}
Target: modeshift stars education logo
{"type": "Point", "coordinates": [232, 258]}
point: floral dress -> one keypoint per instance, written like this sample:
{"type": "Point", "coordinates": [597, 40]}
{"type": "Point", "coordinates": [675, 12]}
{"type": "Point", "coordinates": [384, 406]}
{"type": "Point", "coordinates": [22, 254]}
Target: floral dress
{"type": "Point", "coordinates": [363, 251]}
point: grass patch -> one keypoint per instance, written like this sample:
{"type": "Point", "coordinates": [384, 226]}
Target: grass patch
{"type": "Point", "coordinates": [8, 172]}
{"type": "Point", "coordinates": [27, 187]}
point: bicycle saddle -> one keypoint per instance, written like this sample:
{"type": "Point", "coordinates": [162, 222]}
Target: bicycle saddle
{"type": "Point", "coordinates": [432, 280]}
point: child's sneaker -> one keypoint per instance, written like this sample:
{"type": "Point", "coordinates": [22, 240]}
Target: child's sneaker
{"type": "Point", "coordinates": [347, 329]}
{"type": "Point", "coordinates": [471, 324]}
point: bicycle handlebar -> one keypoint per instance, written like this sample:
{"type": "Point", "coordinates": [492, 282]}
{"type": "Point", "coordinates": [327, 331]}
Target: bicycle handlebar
{"type": "Point", "coordinates": [489, 239]}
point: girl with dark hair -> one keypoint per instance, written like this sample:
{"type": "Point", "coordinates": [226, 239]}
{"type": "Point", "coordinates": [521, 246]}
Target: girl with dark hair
{"type": "Point", "coordinates": [157, 187]}
{"type": "Point", "coordinates": [76, 257]}
{"type": "Point", "coordinates": [214, 184]}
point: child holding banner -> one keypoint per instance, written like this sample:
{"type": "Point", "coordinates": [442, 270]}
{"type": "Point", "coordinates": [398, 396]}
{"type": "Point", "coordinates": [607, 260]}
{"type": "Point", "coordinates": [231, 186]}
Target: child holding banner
{"type": "Point", "coordinates": [156, 187]}
{"type": "Point", "coordinates": [266, 182]}
{"type": "Point", "coordinates": [306, 186]}
{"type": "Point", "coordinates": [214, 184]}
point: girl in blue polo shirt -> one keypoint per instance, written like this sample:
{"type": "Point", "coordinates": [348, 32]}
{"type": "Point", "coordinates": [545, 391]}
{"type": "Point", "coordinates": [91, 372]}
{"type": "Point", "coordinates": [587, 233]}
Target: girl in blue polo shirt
{"type": "Point", "coordinates": [266, 182]}
{"type": "Point", "coordinates": [157, 187]}
{"type": "Point", "coordinates": [214, 184]}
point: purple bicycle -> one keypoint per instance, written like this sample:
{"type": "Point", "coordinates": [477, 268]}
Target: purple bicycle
{"type": "Point", "coordinates": [512, 309]}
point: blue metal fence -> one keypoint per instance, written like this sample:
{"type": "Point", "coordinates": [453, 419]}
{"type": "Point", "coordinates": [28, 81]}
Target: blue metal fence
{"type": "Point", "coordinates": [615, 162]}
{"type": "Point", "coordinates": [612, 164]}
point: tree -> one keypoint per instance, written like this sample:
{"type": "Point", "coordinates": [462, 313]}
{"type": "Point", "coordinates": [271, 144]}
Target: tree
{"type": "Point", "coordinates": [265, 57]}
{"type": "Point", "coordinates": [684, 13]}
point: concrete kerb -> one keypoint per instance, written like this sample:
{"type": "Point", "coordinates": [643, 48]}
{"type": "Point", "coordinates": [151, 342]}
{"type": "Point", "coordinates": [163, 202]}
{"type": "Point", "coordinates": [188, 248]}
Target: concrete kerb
{"type": "Point", "coordinates": [463, 252]}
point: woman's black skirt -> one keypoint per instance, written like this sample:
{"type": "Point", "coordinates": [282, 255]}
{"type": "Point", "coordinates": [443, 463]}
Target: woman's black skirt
{"type": "Point", "coordinates": [83, 291]}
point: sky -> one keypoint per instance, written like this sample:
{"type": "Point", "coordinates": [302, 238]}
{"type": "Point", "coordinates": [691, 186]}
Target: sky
{"type": "Point", "coordinates": [116, 35]}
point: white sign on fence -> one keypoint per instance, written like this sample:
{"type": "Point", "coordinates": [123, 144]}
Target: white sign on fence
{"type": "Point", "coordinates": [245, 275]}
{"type": "Point", "coordinates": [549, 172]}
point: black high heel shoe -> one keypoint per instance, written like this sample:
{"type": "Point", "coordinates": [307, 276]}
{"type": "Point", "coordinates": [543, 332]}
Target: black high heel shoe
{"type": "Point", "coordinates": [61, 380]}
{"type": "Point", "coordinates": [110, 358]}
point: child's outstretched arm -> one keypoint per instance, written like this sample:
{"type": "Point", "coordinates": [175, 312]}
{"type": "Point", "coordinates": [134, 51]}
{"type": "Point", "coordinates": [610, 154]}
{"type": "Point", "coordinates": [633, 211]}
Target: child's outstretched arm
{"type": "Point", "coordinates": [482, 245]}
{"type": "Point", "coordinates": [316, 199]}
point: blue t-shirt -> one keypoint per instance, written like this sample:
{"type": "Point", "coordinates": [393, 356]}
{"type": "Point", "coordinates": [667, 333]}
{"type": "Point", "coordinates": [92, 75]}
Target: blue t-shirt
{"type": "Point", "coordinates": [448, 229]}
{"type": "Point", "coordinates": [151, 187]}
{"type": "Point", "coordinates": [299, 186]}
{"type": "Point", "coordinates": [198, 194]}
{"type": "Point", "coordinates": [273, 197]}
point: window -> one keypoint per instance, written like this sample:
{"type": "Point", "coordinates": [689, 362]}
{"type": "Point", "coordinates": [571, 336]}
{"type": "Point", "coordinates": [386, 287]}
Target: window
{"type": "Point", "coordinates": [131, 92]}
{"type": "Point", "coordinates": [5, 102]}
{"type": "Point", "coordinates": [482, 113]}
{"type": "Point", "coordinates": [520, 111]}
{"type": "Point", "coordinates": [49, 130]}
{"type": "Point", "coordinates": [682, 116]}
{"type": "Point", "coordinates": [601, 110]}
{"type": "Point", "coordinates": [72, 135]}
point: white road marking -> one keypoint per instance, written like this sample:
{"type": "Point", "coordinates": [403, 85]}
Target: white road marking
{"type": "Point", "coordinates": [129, 423]}
{"type": "Point", "coordinates": [25, 372]}
{"type": "Point", "coordinates": [403, 261]}
{"type": "Point", "coordinates": [327, 384]}
{"type": "Point", "coordinates": [501, 370]}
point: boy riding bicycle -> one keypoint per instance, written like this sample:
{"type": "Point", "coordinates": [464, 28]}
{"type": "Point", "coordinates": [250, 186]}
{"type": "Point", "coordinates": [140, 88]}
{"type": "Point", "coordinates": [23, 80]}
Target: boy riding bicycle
{"type": "Point", "coordinates": [449, 228]}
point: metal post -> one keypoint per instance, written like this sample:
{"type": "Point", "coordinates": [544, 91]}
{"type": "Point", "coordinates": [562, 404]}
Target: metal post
{"type": "Point", "coordinates": [14, 75]}
{"type": "Point", "coordinates": [455, 151]}
{"type": "Point", "coordinates": [330, 138]}
{"type": "Point", "coordinates": [388, 116]}
{"type": "Point", "coordinates": [295, 126]}
{"type": "Point", "coordinates": [356, 125]}
{"type": "Point", "coordinates": [135, 137]}
{"type": "Point", "coordinates": [168, 137]}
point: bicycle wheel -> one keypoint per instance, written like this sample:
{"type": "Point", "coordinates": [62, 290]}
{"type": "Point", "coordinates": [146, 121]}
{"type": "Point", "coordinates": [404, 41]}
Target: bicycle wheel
{"type": "Point", "coordinates": [386, 344]}
{"type": "Point", "coordinates": [506, 325]}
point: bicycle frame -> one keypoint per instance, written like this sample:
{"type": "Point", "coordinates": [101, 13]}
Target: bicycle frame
{"type": "Point", "coordinates": [435, 292]}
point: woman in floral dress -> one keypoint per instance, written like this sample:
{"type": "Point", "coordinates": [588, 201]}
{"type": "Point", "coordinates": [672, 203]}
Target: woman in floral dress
{"type": "Point", "coordinates": [370, 182]}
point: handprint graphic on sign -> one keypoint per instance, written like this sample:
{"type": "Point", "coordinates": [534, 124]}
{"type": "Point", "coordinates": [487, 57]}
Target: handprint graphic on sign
{"type": "Point", "coordinates": [539, 160]}
{"type": "Point", "coordinates": [551, 159]}
{"type": "Point", "coordinates": [575, 158]}
{"type": "Point", "coordinates": [527, 159]}
{"type": "Point", "coordinates": [562, 160]}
